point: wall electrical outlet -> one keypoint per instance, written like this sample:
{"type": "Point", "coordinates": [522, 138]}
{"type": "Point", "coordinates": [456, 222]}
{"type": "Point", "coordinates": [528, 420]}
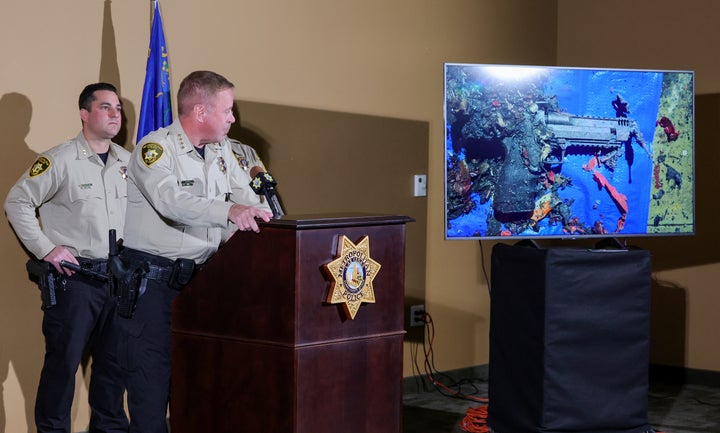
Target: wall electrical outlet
{"type": "Point", "coordinates": [417, 315]}
{"type": "Point", "coordinates": [420, 185]}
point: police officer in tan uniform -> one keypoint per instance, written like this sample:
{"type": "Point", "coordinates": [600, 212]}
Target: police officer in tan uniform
{"type": "Point", "coordinates": [79, 189]}
{"type": "Point", "coordinates": [185, 189]}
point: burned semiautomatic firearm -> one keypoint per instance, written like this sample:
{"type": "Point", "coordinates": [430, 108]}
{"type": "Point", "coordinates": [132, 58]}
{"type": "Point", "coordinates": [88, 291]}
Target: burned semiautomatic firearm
{"type": "Point", "coordinates": [605, 134]}
{"type": "Point", "coordinates": [523, 163]}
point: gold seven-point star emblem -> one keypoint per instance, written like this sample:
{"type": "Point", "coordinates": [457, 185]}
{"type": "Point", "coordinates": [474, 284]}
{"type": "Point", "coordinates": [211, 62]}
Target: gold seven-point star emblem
{"type": "Point", "coordinates": [353, 273]}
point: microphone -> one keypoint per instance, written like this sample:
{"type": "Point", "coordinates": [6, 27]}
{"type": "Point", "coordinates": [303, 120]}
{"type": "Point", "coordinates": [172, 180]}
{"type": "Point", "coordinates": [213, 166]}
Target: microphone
{"type": "Point", "coordinates": [264, 184]}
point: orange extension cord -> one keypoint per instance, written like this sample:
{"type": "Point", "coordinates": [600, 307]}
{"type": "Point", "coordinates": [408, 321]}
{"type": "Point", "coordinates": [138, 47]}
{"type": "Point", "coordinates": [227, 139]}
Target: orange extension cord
{"type": "Point", "coordinates": [475, 420]}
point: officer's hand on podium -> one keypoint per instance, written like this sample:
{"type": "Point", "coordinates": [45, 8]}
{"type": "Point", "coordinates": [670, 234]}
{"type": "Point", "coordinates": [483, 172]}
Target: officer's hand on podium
{"type": "Point", "coordinates": [244, 217]}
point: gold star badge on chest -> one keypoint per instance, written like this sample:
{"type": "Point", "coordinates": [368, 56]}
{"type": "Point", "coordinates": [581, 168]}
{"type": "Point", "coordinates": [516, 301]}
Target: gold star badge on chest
{"type": "Point", "coordinates": [353, 273]}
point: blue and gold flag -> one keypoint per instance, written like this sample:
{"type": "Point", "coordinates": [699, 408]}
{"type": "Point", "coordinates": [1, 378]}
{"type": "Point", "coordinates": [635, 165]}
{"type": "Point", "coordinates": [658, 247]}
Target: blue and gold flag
{"type": "Point", "coordinates": [156, 110]}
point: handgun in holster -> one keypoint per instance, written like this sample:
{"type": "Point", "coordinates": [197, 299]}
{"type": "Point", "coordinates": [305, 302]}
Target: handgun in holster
{"type": "Point", "coordinates": [44, 275]}
{"type": "Point", "coordinates": [126, 280]}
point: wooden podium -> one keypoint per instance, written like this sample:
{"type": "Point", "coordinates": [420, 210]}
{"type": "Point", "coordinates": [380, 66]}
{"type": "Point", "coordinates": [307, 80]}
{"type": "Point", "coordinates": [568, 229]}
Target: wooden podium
{"type": "Point", "coordinates": [256, 347]}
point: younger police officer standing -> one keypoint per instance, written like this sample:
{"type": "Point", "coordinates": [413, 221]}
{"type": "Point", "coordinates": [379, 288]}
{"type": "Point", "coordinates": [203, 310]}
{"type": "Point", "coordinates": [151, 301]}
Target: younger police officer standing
{"type": "Point", "coordinates": [79, 189]}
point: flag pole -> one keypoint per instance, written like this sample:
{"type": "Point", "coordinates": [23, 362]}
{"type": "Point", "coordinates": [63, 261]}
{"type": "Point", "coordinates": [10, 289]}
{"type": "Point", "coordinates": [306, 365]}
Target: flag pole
{"type": "Point", "coordinates": [153, 6]}
{"type": "Point", "coordinates": [156, 105]}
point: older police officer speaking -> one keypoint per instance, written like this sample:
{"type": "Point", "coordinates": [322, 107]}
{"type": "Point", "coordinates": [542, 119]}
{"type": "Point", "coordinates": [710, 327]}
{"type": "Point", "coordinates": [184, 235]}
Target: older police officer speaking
{"type": "Point", "coordinates": [186, 189]}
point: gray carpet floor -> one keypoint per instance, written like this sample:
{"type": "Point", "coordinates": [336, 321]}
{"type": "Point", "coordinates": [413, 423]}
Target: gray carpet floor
{"type": "Point", "coordinates": [672, 408]}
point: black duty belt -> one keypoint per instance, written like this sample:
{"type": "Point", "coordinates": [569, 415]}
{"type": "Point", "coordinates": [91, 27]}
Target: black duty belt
{"type": "Point", "coordinates": [174, 273]}
{"type": "Point", "coordinates": [160, 268]}
{"type": "Point", "coordinates": [159, 273]}
{"type": "Point", "coordinates": [153, 259]}
{"type": "Point", "coordinates": [95, 265]}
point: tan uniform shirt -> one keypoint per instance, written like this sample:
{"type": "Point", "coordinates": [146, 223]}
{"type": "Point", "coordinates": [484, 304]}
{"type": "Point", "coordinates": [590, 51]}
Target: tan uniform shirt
{"type": "Point", "coordinates": [178, 202]}
{"type": "Point", "coordinates": [245, 155]}
{"type": "Point", "coordinates": [78, 197]}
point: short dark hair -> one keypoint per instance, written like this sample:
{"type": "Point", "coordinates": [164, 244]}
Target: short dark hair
{"type": "Point", "coordinates": [199, 86]}
{"type": "Point", "coordinates": [87, 96]}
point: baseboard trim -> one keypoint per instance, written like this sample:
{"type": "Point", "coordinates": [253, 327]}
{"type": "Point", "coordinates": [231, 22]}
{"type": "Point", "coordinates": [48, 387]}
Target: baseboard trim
{"type": "Point", "coordinates": [657, 373]}
{"type": "Point", "coordinates": [684, 375]}
{"type": "Point", "coordinates": [415, 384]}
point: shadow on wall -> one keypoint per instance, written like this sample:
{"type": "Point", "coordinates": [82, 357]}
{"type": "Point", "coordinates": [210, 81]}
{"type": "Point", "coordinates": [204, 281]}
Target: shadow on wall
{"type": "Point", "coordinates": [126, 137]}
{"type": "Point", "coordinates": [333, 162]}
{"type": "Point", "coordinates": [21, 341]}
{"type": "Point", "coordinates": [668, 324]}
{"type": "Point", "coordinates": [110, 73]}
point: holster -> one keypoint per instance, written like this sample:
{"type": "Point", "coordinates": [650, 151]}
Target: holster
{"type": "Point", "coordinates": [129, 276]}
{"type": "Point", "coordinates": [45, 276]}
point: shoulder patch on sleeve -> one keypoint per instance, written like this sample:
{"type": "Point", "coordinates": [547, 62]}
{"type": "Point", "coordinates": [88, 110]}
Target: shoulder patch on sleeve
{"type": "Point", "coordinates": [41, 165]}
{"type": "Point", "coordinates": [151, 153]}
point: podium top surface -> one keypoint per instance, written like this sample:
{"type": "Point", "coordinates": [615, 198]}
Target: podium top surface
{"type": "Point", "coordinates": [314, 221]}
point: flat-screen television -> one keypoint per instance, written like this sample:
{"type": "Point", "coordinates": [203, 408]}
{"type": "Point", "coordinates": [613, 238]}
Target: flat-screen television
{"type": "Point", "coordinates": [564, 152]}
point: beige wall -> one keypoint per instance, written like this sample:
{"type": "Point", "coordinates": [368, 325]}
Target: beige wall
{"type": "Point", "coordinates": [372, 58]}
{"type": "Point", "coordinates": [667, 35]}
{"type": "Point", "coordinates": [642, 34]}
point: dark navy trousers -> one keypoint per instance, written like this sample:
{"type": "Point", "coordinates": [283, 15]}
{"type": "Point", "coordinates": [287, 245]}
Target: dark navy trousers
{"type": "Point", "coordinates": [144, 354]}
{"type": "Point", "coordinates": [82, 318]}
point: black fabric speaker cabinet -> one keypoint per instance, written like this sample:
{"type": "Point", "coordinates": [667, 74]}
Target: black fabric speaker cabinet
{"type": "Point", "coordinates": [569, 337]}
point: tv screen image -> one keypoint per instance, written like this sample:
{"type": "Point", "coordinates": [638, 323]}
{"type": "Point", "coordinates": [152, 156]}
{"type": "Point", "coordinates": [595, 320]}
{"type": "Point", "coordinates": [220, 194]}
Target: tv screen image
{"type": "Point", "coordinates": [561, 152]}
